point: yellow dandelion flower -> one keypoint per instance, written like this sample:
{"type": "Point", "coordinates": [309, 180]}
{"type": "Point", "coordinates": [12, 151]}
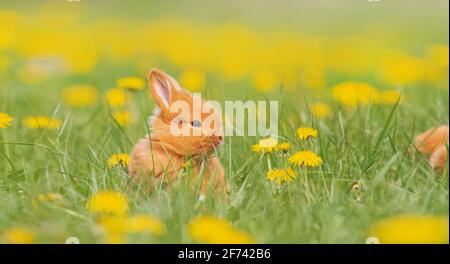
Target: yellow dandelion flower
{"type": "Point", "coordinates": [320, 110]}
{"type": "Point", "coordinates": [411, 229]}
{"type": "Point", "coordinates": [79, 95]}
{"type": "Point", "coordinates": [19, 235]}
{"type": "Point", "coordinates": [306, 132]}
{"type": "Point", "coordinates": [114, 227]}
{"type": "Point", "coordinates": [282, 147]}
{"type": "Point", "coordinates": [305, 158]}
{"type": "Point", "coordinates": [290, 80]}
{"type": "Point", "coordinates": [114, 224]}
{"type": "Point", "coordinates": [193, 80]}
{"type": "Point", "coordinates": [280, 176]}
{"type": "Point", "coordinates": [213, 230]}
{"type": "Point", "coordinates": [5, 120]}
{"type": "Point", "coordinates": [352, 94]}
{"type": "Point", "coordinates": [438, 54]}
{"type": "Point", "coordinates": [50, 197]}
{"type": "Point", "coordinates": [146, 224]}
{"type": "Point", "coordinates": [436, 69]}
{"type": "Point", "coordinates": [265, 81]}
{"type": "Point", "coordinates": [389, 97]}
{"type": "Point", "coordinates": [131, 83]}
{"type": "Point", "coordinates": [402, 69]}
{"type": "Point", "coordinates": [314, 78]}
{"type": "Point", "coordinates": [116, 97]}
{"type": "Point", "coordinates": [265, 145]}
{"type": "Point", "coordinates": [118, 159]}
{"type": "Point", "coordinates": [35, 122]}
{"type": "Point", "coordinates": [123, 118]}
{"type": "Point", "coordinates": [108, 202]}
{"type": "Point", "coordinates": [115, 238]}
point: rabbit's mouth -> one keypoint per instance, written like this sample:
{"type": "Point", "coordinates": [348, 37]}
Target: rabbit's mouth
{"type": "Point", "coordinates": [212, 143]}
{"type": "Point", "coordinates": [216, 140]}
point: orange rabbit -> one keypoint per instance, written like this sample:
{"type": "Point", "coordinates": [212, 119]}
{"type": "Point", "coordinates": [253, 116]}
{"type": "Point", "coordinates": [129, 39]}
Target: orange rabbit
{"type": "Point", "coordinates": [434, 142]}
{"type": "Point", "coordinates": [163, 154]}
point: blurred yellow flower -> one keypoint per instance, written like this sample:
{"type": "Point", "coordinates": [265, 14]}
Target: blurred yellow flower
{"type": "Point", "coordinates": [10, 21]}
{"type": "Point", "coordinates": [213, 230]}
{"type": "Point", "coordinates": [115, 238]}
{"type": "Point", "coordinates": [131, 83]}
{"type": "Point", "coordinates": [280, 176]}
{"type": "Point", "coordinates": [389, 97]}
{"type": "Point", "coordinates": [193, 80]}
{"type": "Point", "coordinates": [265, 81]}
{"type": "Point", "coordinates": [402, 69]}
{"type": "Point", "coordinates": [116, 97]}
{"type": "Point", "coordinates": [50, 197]}
{"type": "Point", "coordinates": [35, 122]}
{"type": "Point", "coordinates": [265, 145]}
{"type": "Point", "coordinates": [411, 229]}
{"type": "Point", "coordinates": [108, 202]}
{"type": "Point", "coordinates": [116, 227]}
{"type": "Point", "coordinates": [79, 95]}
{"type": "Point", "coordinates": [5, 120]}
{"type": "Point", "coordinates": [314, 78]}
{"type": "Point", "coordinates": [438, 54]}
{"type": "Point", "coordinates": [289, 80]}
{"type": "Point", "coordinates": [19, 235]}
{"type": "Point", "coordinates": [114, 224]}
{"type": "Point", "coordinates": [118, 159]}
{"type": "Point", "coordinates": [354, 93]}
{"type": "Point", "coordinates": [233, 69]}
{"type": "Point", "coordinates": [306, 132]}
{"type": "Point", "coordinates": [437, 64]}
{"type": "Point", "coordinates": [123, 118]}
{"type": "Point", "coordinates": [305, 158]}
{"type": "Point", "coordinates": [320, 110]}
{"type": "Point", "coordinates": [146, 224]}
{"type": "Point", "coordinates": [83, 57]}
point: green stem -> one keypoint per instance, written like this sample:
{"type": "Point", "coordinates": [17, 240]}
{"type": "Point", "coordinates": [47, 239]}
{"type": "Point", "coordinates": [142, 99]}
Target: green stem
{"type": "Point", "coordinates": [309, 195]}
{"type": "Point", "coordinates": [289, 194]}
{"type": "Point", "coordinates": [269, 165]}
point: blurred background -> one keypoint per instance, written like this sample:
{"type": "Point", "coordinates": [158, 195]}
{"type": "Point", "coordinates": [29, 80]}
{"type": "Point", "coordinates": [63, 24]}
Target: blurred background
{"type": "Point", "coordinates": [308, 44]}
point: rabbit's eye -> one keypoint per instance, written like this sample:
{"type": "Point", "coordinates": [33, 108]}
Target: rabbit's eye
{"type": "Point", "coordinates": [196, 123]}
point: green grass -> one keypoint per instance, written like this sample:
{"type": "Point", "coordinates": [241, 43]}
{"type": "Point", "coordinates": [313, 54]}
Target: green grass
{"type": "Point", "coordinates": [368, 144]}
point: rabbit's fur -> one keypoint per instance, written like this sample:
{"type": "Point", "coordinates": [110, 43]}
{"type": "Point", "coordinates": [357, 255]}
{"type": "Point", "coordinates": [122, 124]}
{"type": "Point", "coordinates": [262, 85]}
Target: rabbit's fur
{"type": "Point", "coordinates": [163, 155]}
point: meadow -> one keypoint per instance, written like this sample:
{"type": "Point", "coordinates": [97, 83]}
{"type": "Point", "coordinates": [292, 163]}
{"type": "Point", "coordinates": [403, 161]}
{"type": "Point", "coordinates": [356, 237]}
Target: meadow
{"type": "Point", "coordinates": [74, 101]}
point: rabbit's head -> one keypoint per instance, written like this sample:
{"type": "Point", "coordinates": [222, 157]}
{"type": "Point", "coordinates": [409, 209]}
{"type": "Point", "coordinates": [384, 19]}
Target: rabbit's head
{"type": "Point", "coordinates": [184, 122]}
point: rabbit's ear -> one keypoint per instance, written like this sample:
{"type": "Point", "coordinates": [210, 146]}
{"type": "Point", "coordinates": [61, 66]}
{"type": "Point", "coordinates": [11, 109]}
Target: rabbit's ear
{"type": "Point", "coordinates": [162, 87]}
